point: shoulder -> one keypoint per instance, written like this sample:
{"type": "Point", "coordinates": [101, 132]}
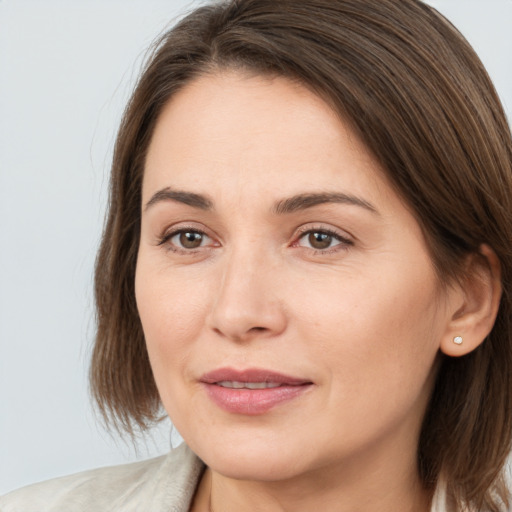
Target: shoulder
{"type": "Point", "coordinates": [166, 483]}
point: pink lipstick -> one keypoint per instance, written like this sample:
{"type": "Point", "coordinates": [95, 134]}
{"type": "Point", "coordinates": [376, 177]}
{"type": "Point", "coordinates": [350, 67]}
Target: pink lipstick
{"type": "Point", "coordinates": [253, 391]}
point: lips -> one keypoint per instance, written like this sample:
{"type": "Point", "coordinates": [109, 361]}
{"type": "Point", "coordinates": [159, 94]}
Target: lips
{"type": "Point", "coordinates": [252, 391]}
{"type": "Point", "coordinates": [234, 384]}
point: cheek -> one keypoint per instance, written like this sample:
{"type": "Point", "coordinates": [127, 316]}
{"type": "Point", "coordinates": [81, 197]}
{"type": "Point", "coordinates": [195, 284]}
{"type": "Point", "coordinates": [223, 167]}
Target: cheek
{"type": "Point", "coordinates": [171, 316]}
{"type": "Point", "coordinates": [370, 309]}
{"type": "Point", "coordinates": [380, 334]}
{"type": "Point", "coordinates": [376, 346]}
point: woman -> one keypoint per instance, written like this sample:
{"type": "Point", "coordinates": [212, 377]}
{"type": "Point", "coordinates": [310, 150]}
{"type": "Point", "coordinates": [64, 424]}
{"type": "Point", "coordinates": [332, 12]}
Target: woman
{"type": "Point", "coordinates": [307, 262]}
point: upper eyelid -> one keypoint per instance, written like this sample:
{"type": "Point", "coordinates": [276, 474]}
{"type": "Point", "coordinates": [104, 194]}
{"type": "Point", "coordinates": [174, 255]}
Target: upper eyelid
{"type": "Point", "coordinates": [184, 226]}
{"type": "Point", "coordinates": [170, 231]}
{"type": "Point", "coordinates": [341, 241]}
{"type": "Point", "coordinates": [342, 234]}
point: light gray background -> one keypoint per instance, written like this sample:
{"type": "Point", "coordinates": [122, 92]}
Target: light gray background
{"type": "Point", "coordinates": [66, 70]}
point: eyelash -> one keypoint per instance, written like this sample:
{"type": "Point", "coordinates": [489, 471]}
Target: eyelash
{"type": "Point", "coordinates": [344, 243]}
{"type": "Point", "coordinates": [165, 239]}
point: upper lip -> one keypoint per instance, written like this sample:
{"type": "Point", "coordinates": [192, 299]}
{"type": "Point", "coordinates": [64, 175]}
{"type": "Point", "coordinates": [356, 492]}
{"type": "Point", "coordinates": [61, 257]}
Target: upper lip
{"type": "Point", "coordinates": [251, 375]}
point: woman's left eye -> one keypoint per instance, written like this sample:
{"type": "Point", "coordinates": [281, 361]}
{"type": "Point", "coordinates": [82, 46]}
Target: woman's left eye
{"type": "Point", "coordinates": [321, 240]}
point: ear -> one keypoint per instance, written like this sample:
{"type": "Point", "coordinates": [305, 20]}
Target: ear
{"type": "Point", "coordinates": [475, 302]}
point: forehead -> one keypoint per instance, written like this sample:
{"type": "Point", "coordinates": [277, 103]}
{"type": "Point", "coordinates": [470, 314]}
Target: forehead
{"type": "Point", "coordinates": [254, 131]}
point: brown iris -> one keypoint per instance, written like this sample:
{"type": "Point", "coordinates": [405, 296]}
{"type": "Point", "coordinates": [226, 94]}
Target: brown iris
{"type": "Point", "coordinates": [190, 239]}
{"type": "Point", "coordinates": [319, 240]}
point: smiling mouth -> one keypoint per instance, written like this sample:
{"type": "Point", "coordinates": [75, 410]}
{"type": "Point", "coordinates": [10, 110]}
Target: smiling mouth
{"type": "Point", "coordinates": [232, 384]}
{"type": "Point", "coordinates": [259, 378]}
{"type": "Point", "coordinates": [252, 392]}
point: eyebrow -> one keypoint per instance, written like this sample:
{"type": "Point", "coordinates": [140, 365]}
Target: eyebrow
{"type": "Point", "coordinates": [180, 196]}
{"type": "Point", "coordinates": [305, 201]}
{"type": "Point", "coordinates": [289, 205]}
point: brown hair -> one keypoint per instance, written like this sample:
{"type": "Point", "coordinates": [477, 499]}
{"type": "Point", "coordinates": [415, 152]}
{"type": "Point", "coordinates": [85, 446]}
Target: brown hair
{"type": "Point", "coordinates": [422, 102]}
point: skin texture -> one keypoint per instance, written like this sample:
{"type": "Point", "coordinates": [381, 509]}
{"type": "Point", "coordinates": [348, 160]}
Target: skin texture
{"type": "Point", "coordinates": [363, 319]}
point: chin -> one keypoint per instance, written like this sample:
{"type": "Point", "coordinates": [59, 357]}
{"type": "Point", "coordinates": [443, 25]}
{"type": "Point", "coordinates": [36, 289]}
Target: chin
{"type": "Point", "coordinates": [255, 458]}
{"type": "Point", "coordinates": [258, 467]}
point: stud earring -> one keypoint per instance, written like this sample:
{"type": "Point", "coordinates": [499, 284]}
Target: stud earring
{"type": "Point", "coordinates": [457, 340]}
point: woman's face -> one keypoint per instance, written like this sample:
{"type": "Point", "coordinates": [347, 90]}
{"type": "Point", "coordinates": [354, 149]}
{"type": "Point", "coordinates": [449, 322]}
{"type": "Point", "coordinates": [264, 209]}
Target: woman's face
{"type": "Point", "coordinates": [290, 308]}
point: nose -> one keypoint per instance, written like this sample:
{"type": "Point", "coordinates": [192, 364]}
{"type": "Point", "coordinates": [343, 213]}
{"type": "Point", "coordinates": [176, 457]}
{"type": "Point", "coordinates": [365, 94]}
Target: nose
{"type": "Point", "coordinates": [247, 304]}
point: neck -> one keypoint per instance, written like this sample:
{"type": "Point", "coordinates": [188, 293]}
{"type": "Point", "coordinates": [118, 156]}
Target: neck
{"type": "Point", "coordinates": [385, 488]}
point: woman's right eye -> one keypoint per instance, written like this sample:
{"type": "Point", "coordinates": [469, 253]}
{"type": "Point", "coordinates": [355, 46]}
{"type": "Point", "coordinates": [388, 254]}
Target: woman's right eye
{"type": "Point", "coordinates": [186, 239]}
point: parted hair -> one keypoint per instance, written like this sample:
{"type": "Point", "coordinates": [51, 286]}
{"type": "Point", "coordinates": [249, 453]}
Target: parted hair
{"type": "Point", "coordinates": [418, 96]}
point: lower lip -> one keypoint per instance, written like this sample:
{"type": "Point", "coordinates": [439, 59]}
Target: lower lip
{"type": "Point", "coordinates": [252, 402]}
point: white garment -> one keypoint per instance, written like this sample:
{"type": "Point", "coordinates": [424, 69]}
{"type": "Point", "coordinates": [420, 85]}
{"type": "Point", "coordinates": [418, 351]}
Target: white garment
{"type": "Point", "coordinates": [163, 484]}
